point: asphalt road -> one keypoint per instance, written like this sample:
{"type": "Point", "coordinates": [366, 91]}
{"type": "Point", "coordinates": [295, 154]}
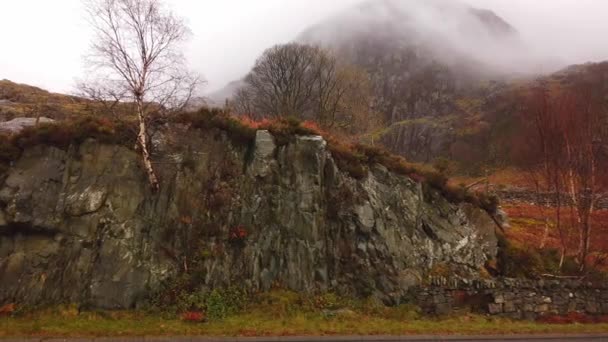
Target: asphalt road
{"type": "Point", "coordinates": [532, 338]}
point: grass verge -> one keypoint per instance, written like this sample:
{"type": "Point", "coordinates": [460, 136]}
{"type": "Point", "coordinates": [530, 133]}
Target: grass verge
{"type": "Point", "coordinates": [260, 323]}
{"type": "Point", "coordinates": [278, 313]}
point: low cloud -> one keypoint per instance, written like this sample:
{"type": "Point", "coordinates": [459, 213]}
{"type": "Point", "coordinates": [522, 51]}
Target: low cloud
{"type": "Point", "coordinates": [43, 41]}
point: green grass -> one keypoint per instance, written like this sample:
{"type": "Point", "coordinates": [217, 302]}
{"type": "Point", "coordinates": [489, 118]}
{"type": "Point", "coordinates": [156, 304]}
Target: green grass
{"type": "Point", "coordinates": [279, 313]}
{"type": "Point", "coordinates": [263, 323]}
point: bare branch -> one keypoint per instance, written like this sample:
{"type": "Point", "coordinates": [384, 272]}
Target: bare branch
{"type": "Point", "coordinates": [135, 58]}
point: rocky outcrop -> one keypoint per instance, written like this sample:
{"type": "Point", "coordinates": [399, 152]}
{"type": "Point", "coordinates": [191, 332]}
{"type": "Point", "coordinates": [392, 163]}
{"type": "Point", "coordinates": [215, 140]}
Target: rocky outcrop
{"type": "Point", "coordinates": [81, 225]}
{"type": "Point", "coordinates": [18, 124]}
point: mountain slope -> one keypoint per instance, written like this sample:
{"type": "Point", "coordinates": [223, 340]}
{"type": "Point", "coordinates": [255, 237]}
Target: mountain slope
{"type": "Point", "coordinates": [421, 55]}
{"type": "Point", "coordinates": [431, 63]}
{"type": "Point", "coordinates": [24, 100]}
{"type": "Point", "coordinates": [447, 32]}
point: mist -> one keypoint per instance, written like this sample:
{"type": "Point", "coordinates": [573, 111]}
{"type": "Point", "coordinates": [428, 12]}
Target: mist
{"type": "Point", "coordinates": [551, 34]}
{"type": "Point", "coordinates": [44, 41]}
{"type": "Point", "coordinates": [570, 31]}
{"type": "Point", "coordinates": [450, 32]}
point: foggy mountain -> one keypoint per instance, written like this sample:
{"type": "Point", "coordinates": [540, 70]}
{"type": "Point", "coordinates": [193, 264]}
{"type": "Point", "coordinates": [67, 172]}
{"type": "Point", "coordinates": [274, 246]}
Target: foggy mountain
{"type": "Point", "coordinates": [397, 41]}
{"type": "Point", "coordinates": [449, 32]}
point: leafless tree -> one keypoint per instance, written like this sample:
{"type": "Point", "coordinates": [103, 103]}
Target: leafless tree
{"type": "Point", "coordinates": [566, 138]}
{"type": "Point", "coordinates": [307, 82]}
{"type": "Point", "coordinates": [242, 103]}
{"type": "Point", "coordinates": [342, 96]}
{"type": "Point", "coordinates": [135, 58]}
{"type": "Point", "coordinates": [545, 146]}
{"type": "Point", "coordinates": [281, 82]}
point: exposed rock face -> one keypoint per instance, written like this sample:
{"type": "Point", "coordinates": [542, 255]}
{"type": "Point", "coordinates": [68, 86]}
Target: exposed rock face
{"type": "Point", "coordinates": [81, 226]}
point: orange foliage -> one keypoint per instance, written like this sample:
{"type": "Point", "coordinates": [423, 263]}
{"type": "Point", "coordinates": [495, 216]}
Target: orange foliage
{"type": "Point", "coordinates": [528, 225]}
{"type": "Point", "coordinates": [511, 177]}
{"type": "Point", "coordinates": [193, 316]}
{"type": "Point", "coordinates": [572, 318]}
{"type": "Point", "coordinates": [7, 309]}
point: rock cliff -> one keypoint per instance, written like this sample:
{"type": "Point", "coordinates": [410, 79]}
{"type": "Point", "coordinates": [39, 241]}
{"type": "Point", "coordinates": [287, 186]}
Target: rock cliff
{"type": "Point", "coordinates": [80, 225]}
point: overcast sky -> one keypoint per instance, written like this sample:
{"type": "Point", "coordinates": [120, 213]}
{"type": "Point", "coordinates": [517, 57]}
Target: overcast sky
{"type": "Point", "coordinates": [43, 41]}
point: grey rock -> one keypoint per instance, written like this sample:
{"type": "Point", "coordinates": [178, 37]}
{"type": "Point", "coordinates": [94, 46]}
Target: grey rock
{"type": "Point", "coordinates": [82, 226]}
{"type": "Point", "coordinates": [263, 157]}
{"type": "Point", "coordinates": [365, 213]}
{"type": "Point", "coordinates": [502, 219]}
{"type": "Point", "coordinates": [509, 307]}
{"type": "Point", "coordinates": [18, 124]}
{"type": "Point", "coordinates": [592, 307]}
{"type": "Point", "coordinates": [494, 308]}
{"type": "Point", "coordinates": [499, 299]}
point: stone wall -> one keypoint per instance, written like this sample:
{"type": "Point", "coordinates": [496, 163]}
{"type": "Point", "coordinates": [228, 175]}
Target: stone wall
{"type": "Point", "coordinates": [515, 195]}
{"type": "Point", "coordinates": [512, 298]}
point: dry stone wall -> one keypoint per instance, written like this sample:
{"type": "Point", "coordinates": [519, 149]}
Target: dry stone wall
{"type": "Point", "coordinates": [512, 298]}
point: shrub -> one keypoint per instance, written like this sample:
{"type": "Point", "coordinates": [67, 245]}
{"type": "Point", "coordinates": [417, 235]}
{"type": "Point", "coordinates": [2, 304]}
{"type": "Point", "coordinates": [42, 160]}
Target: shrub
{"type": "Point", "coordinates": [284, 130]}
{"type": "Point", "coordinates": [348, 160]}
{"type": "Point", "coordinates": [518, 262]}
{"type": "Point", "coordinates": [63, 134]}
{"type": "Point", "coordinates": [404, 313]}
{"type": "Point", "coordinates": [456, 194]}
{"type": "Point", "coordinates": [7, 309]}
{"type": "Point", "coordinates": [193, 316]}
{"type": "Point", "coordinates": [328, 301]}
{"type": "Point", "coordinates": [436, 180]}
{"type": "Point", "coordinates": [279, 302]}
{"type": "Point", "coordinates": [206, 119]}
{"type": "Point", "coordinates": [237, 234]}
{"type": "Point", "coordinates": [443, 166]}
{"type": "Point", "coordinates": [488, 201]}
{"type": "Point", "coordinates": [223, 303]}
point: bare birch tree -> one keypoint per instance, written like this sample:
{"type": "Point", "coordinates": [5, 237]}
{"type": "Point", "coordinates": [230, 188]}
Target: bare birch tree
{"type": "Point", "coordinates": [135, 58]}
{"type": "Point", "coordinates": [567, 152]}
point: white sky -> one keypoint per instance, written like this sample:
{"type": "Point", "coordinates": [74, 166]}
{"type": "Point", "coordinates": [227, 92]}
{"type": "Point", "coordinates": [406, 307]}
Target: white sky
{"type": "Point", "coordinates": [42, 41]}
